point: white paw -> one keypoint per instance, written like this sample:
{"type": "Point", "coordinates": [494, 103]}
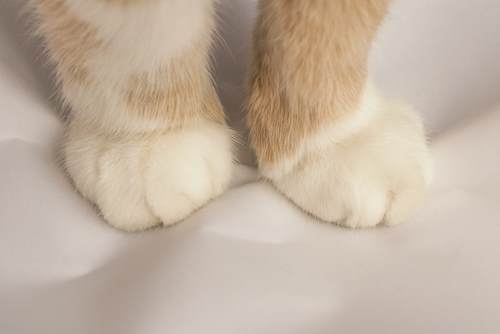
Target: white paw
{"type": "Point", "coordinates": [361, 177]}
{"type": "Point", "coordinates": [140, 182]}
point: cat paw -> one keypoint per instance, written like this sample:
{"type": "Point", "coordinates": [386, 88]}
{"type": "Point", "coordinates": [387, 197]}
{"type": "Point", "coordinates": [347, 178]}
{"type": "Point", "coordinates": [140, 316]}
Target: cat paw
{"type": "Point", "coordinates": [141, 182]}
{"type": "Point", "coordinates": [360, 176]}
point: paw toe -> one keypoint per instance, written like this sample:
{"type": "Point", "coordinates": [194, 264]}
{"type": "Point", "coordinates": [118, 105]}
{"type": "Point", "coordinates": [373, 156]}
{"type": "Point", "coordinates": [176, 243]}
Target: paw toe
{"type": "Point", "coordinates": [141, 183]}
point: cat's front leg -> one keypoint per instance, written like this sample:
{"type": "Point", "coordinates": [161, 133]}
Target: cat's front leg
{"type": "Point", "coordinates": [322, 135]}
{"type": "Point", "coordinates": [147, 141]}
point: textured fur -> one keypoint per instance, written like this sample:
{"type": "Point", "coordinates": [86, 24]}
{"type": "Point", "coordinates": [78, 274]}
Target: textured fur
{"type": "Point", "coordinates": [376, 174]}
{"type": "Point", "coordinates": [140, 182]}
{"type": "Point", "coordinates": [147, 140]}
{"type": "Point", "coordinates": [310, 68]}
{"type": "Point", "coordinates": [321, 134]}
{"type": "Point", "coordinates": [124, 66]}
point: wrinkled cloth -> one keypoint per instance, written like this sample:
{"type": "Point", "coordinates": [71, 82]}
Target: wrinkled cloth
{"type": "Point", "coordinates": [250, 262]}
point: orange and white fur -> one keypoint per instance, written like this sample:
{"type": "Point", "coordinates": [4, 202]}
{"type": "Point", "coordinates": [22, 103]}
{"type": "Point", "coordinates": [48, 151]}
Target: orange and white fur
{"type": "Point", "coordinates": [147, 141]}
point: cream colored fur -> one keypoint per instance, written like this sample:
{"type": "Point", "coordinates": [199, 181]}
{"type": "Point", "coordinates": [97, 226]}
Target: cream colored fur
{"type": "Point", "coordinates": [321, 134]}
{"type": "Point", "coordinates": [140, 182]}
{"type": "Point", "coordinates": [334, 133]}
{"type": "Point", "coordinates": [140, 37]}
{"type": "Point", "coordinates": [147, 142]}
{"type": "Point", "coordinates": [373, 168]}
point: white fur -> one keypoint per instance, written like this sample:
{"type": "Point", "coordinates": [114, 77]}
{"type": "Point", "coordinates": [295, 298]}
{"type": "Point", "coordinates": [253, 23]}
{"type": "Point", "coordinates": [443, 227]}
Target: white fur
{"type": "Point", "coordinates": [360, 176]}
{"type": "Point", "coordinates": [141, 172]}
{"type": "Point", "coordinates": [330, 134]}
{"type": "Point", "coordinates": [141, 182]}
{"type": "Point", "coordinates": [138, 38]}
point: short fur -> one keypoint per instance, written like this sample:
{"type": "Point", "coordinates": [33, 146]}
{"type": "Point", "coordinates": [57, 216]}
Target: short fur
{"type": "Point", "coordinates": [310, 68]}
{"type": "Point", "coordinates": [322, 135]}
{"type": "Point", "coordinates": [163, 83]}
{"type": "Point", "coordinates": [147, 142]}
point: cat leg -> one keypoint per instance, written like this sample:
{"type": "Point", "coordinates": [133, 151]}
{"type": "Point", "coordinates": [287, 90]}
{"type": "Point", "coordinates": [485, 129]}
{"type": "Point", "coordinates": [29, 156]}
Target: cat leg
{"type": "Point", "coordinates": [322, 135]}
{"type": "Point", "coordinates": [147, 140]}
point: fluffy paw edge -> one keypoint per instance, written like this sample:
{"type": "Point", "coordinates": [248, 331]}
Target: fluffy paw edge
{"type": "Point", "coordinates": [376, 175]}
{"type": "Point", "coordinates": [141, 182]}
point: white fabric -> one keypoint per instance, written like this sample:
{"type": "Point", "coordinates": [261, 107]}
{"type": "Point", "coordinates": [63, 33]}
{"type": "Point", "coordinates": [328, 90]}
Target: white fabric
{"type": "Point", "coordinates": [250, 262]}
